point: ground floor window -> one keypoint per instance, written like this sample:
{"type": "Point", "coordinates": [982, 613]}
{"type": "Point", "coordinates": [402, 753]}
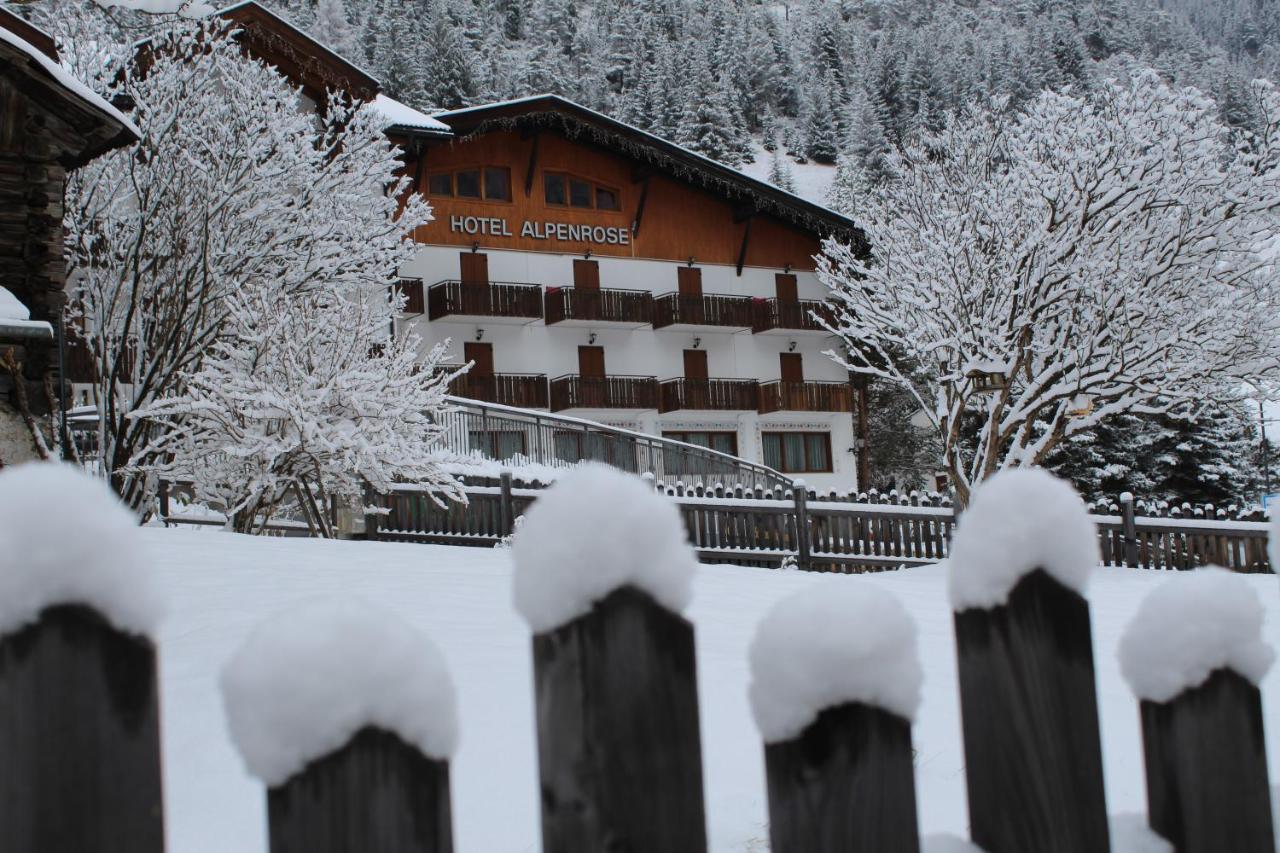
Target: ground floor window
{"type": "Point", "coordinates": [498, 444]}
{"type": "Point", "coordinates": [798, 452]}
{"type": "Point", "coordinates": [725, 442]}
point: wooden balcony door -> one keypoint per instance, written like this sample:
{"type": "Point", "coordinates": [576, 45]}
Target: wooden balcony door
{"type": "Point", "coordinates": [586, 288]}
{"type": "Point", "coordinates": [474, 269]}
{"type": "Point", "coordinates": [480, 380]}
{"type": "Point", "coordinates": [592, 379]}
{"type": "Point", "coordinates": [697, 388]}
{"type": "Point", "coordinates": [785, 283]}
{"type": "Point", "coordinates": [788, 302]}
{"type": "Point", "coordinates": [792, 371]}
{"type": "Point", "coordinates": [689, 283]}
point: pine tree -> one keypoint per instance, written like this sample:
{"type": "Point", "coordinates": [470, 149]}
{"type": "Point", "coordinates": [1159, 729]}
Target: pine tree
{"type": "Point", "coordinates": [821, 137]}
{"type": "Point", "coordinates": [780, 174]}
{"type": "Point", "coordinates": [332, 29]}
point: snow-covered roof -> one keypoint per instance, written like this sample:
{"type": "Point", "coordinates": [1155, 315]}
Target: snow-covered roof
{"type": "Point", "coordinates": [16, 322]}
{"type": "Point", "coordinates": [185, 8]}
{"type": "Point", "coordinates": [655, 149]}
{"type": "Point", "coordinates": [75, 90]}
{"type": "Point", "coordinates": [404, 116]}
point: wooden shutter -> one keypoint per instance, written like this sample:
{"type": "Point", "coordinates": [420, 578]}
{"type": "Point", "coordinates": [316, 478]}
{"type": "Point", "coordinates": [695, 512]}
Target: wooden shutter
{"type": "Point", "coordinates": [695, 364]}
{"type": "Point", "coordinates": [586, 274]}
{"type": "Point", "coordinates": [786, 287]}
{"type": "Point", "coordinates": [689, 280]}
{"type": "Point", "coordinates": [482, 355]}
{"type": "Point", "coordinates": [591, 361]}
{"type": "Point", "coordinates": [791, 366]}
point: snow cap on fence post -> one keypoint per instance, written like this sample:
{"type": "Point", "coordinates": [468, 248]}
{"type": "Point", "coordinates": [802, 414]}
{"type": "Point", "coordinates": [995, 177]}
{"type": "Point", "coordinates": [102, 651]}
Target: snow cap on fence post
{"type": "Point", "coordinates": [67, 539]}
{"type": "Point", "coordinates": [1018, 521]}
{"type": "Point", "coordinates": [835, 642]}
{"type": "Point", "coordinates": [594, 531]}
{"type": "Point", "coordinates": [1191, 625]}
{"type": "Point", "coordinates": [1273, 539]}
{"type": "Point", "coordinates": [308, 679]}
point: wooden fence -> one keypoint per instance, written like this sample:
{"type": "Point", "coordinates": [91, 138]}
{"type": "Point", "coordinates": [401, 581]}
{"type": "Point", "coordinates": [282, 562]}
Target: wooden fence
{"type": "Point", "coordinates": [828, 535]}
{"type": "Point", "coordinates": [619, 746]}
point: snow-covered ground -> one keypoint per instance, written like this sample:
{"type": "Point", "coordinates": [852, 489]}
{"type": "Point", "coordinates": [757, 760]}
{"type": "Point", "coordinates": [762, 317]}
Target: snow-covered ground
{"type": "Point", "coordinates": [812, 181]}
{"type": "Point", "coordinates": [220, 585]}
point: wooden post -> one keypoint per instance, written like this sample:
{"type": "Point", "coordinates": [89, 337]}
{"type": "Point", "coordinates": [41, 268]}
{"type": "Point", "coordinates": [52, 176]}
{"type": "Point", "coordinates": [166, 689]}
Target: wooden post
{"type": "Point", "coordinates": [79, 737]}
{"type": "Point", "coordinates": [619, 750]}
{"type": "Point", "coordinates": [1206, 762]}
{"type": "Point", "coordinates": [844, 785]}
{"type": "Point", "coordinates": [377, 793]}
{"type": "Point", "coordinates": [1033, 761]}
{"type": "Point", "coordinates": [370, 518]}
{"type": "Point", "coordinates": [508, 515]}
{"type": "Point", "coordinates": [1130, 530]}
{"type": "Point", "coordinates": [163, 493]}
{"type": "Point", "coordinates": [802, 523]}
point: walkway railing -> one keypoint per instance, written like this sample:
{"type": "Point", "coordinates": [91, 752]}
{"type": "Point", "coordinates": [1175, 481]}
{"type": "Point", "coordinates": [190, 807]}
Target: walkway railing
{"type": "Point", "coordinates": [504, 433]}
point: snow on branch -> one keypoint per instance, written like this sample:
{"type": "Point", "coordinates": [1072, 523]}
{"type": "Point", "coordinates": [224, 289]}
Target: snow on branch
{"type": "Point", "coordinates": [835, 642]}
{"type": "Point", "coordinates": [309, 679]}
{"type": "Point", "coordinates": [68, 540]}
{"type": "Point", "coordinates": [1098, 278]}
{"type": "Point", "coordinates": [1193, 624]}
{"type": "Point", "coordinates": [596, 530]}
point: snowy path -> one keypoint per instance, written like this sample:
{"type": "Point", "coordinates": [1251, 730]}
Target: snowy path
{"type": "Point", "coordinates": [221, 584]}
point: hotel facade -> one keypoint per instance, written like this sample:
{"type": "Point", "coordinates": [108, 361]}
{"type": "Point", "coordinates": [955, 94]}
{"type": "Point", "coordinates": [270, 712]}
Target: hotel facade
{"type": "Point", "coordinates": [587, 268]}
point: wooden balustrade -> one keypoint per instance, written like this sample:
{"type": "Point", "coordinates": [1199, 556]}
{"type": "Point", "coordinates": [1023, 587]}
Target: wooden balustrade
{"type": "Point", "coordinates": [496, 299]}
{"type": "Point", "coordinates": [708, 394]}
{"type": "Point", "coordinates": [525, 390]}
{"type": "Point", "coordinates": [603, 392]}
{"type": "Point", "coordinates": [414, 299]}
{"type": "Point", "coordinates": [782, 396]}
{"type": "Point", "coordinates": [672, 309]}
{"type": "Point", "coordinates": [601, 306]}
{"type": "Point", "coordinates": [800, 315]}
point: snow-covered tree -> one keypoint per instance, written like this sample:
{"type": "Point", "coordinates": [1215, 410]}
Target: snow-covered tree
{"type": "Point", "coordinates": [304, 399]}
{"type": "Point", "coordinates": [233, 184]}
{"type": "Point", "coordinates": [1085, 280]}
{"type": "Point", "coordinates": [332, 28]}
{"type": "Point", "coordinates": [780, 173]}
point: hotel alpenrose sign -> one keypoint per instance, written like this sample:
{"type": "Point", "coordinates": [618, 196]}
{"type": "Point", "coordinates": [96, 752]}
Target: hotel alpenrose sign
{"type": "Point", "coordinates": [565, 231]}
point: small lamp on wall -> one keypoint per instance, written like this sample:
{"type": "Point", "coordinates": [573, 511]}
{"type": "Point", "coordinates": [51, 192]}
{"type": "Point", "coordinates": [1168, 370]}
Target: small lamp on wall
{"type": "Point", "coordinates": [697, 342]}
{"type": "Point", "coordinates": [586, 256]}
{"type": "Point", "coordinates": [591, 338]}
{"type": "Point", "coordinates": [475, 246]}
{"type": "Point", "coordinates": [690, 260]}
{"type": "Point", "coordinates": [786, 269]}
{"type": "Point", "coordinates": [479, 335]}
{"type": "Point", "coordinates": [791, 346]}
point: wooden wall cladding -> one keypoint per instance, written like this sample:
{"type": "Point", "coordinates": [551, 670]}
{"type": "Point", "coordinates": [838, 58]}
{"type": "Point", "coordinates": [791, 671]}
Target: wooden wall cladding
{"type": "Point", "coordinates": [676, 222]}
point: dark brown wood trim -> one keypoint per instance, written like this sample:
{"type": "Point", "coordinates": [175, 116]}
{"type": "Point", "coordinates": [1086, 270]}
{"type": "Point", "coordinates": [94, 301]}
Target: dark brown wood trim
{"type": "Point", "coordinates": [746, 238]}
{"type": "Point", "coordinates": [533, 165]}
{"type": "Point", "coordinates": [644, 196]}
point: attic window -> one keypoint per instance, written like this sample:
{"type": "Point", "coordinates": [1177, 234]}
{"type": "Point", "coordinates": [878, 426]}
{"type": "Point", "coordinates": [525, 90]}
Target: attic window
{"type": "Point", "coordinates": [572, 191]}
{"type": "Point", "coordinates": [488, 183]}
{"type": "Point", "coordinates": [469, 183]}
{"type": "Point", "coordinates": [441, 184]}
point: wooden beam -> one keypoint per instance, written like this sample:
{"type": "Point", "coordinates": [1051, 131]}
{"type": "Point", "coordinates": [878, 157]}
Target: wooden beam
{"type": "Point", "coordinates": [533, 163]}
{"type": "Point", "coordinates": [640, 173]}
{"type": "Point", "coordinates": [644, 196]}
{"type": "Point", "coordinates": [742, 253]}
{"type": "Point", "coordinates": [743, 212]}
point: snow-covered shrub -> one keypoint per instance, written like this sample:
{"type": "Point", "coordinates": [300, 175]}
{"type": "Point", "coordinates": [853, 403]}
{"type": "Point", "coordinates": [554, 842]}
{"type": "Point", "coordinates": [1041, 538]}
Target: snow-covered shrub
{"type": "Point", "coordinates": [237, 189]}
{"type": "Point", "coordinates": [1094, 279]}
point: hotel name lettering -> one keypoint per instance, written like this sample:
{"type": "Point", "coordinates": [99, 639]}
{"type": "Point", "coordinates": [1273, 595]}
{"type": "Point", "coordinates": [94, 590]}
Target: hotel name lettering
{"type": "Point", "coordinates": [564, 231]}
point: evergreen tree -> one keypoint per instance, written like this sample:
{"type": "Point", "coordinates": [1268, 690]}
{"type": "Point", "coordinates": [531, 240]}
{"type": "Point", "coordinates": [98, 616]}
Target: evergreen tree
{"type": "Point", "coordinates": [780, 174]}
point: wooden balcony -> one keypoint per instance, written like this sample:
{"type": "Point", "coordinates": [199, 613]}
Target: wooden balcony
{"type": "Point", "coordinates": [572, 306]}
{"type": "Point", "coordinates": [411, 290]}
{"type": "Point", "coordinates": [520, 303]}
{"type": "Point", "coordinates": [725, 395]}
{"type": "Point", "coordinates": [603, 392]}
{"type": "Point", "coordinates": [720, 312]}
{"type": "Point", "coordinates": [525, 390]}
{"type": "Point", "coordinates": [786, 316]}
{"type": "Point", "coordinates": [779, 396]}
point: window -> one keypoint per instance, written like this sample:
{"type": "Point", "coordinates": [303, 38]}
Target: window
{"type": "Point", "coordinates": [441, 184]}
{"type": "Point", "coordinates": [607, 199]}
{"type": "Point", "coordinates": [797, 452]}
{"type": "Point", "coordinates": [561, 189]}
{"type": "Point", "coordinates": [497, 183]}
{"type": "Point", "coordinates": [487, 183]}
{"type": "Point", "coordinates": [469, 183]}
{"type": "Point", "coordinates": [497, 443]}
{"type": "Point", "coordinates": [725, 442]}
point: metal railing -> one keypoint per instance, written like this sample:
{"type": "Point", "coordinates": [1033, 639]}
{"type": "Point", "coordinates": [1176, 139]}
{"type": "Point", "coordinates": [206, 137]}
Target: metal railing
{"type": "Point", "coordinates": [604, 306]}
{"type": "Point", "coordinates": [677, 308]}
{"type": "Point", "coordinates": [782, 396]}
{"type": "Point", "coordinates": [572, 391]}
{"type": "Point", "coordinates": [517, 435]}
{"type": "Point", "coordinates": [736, 395]}
{"type": "Point", "coordinates": [478, 299]}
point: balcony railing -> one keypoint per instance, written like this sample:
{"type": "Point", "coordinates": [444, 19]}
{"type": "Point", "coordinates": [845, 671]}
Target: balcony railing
{"type": "Point", "coordinates": [603, 392]}
{"type": "Point", "coordinates": [601, 306]}
{"type": "Point", "coordinates": [676, 308]}
{"type": "Point", "coordinates": [411, 290]}
{"type": "Point", "coordinates": [523, 390]}
{"type": "Point", "coordinates": [709, 394]}
{"type": "Point", "coordinates": [790, 314]}
{"type": "Point", "coordinates": [497, 299]}
{"type": "Point", "coordinates": [782, 396]}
